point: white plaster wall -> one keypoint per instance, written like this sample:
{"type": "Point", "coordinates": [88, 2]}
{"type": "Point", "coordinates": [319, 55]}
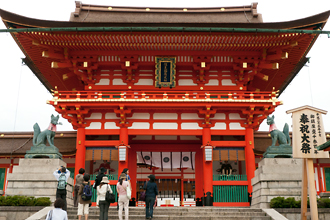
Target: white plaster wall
{"type": "Point", "coordinates": [140, 125]}
{"type": "Point", "coordinates": [186, 126]}
{"type": "Point", "coordinates": [189, 116]}
{"type": "Point", "coordinates": [103, 82]}
{"type": "Point", "coordinates": [94, 125]}
{"type": "Point", "coordinates": [220, 116]}
{"type": "Point", "coordinates": [165, 126]}
{"type": "Point", "coordinates": [234, 116]}
{"type": "Point", "coordinates": [165, 116]}
{"type": "Point", "coordinates": [118, 82]}
{"type": "Point", "coordinates": [145, 82]}
{"type": "Point", "coordinates": [186, 82]}
{"type": "Point", "coordinates": [140, 116]}
{"type": "Point", "coordinates": [111, 115]}
{"type": "Point", "coordinates": [227, 82]}
{"type": "Point", "coordinates": [95, 116]}
{"type": "Point", "coordinates": [219, 126]}
{"type": "Point", "coordinates": [213, 82]}
{"type": "Point", "coordinates": [110, 125]}
{"type": "Point", "coordinates": [235, 126]}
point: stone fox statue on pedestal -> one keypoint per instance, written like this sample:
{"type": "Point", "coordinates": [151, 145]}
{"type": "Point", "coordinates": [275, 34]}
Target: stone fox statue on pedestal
{"type": "Point", "coordinates": [41, 138]}
{"type": "Point", "coordinates": [281, 137]}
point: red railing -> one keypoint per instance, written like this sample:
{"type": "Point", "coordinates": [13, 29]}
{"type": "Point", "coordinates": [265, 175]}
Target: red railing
{"type": "Point", "coordinates": [165, 96]}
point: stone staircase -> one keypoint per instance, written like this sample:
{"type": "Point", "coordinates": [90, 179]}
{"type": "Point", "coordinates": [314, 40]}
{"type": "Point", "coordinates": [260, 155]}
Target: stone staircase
{"type": "Point", "coordinates": [182, 213]}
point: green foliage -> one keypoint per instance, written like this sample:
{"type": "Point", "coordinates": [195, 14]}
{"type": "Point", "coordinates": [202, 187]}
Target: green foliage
{"type": "Point", "coordinates": [277, 202]}
{"type": "Point", "coordinates": [24, 201]}
{"type": "Point", "coordinates": [42, 201]}
{"type": "Point", "coordinates": [2, 200]}
{"type": "Point", "coordinates": [290, 202]}
{"type": "Point", "coordinates": [323, 203]}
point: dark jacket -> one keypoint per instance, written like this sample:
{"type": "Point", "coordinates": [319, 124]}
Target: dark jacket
{"type": "Point", "coordinates": [151, 190]}
{"type": "Point", "coordinates": [98, 179]}
{"type": "Point", "coordinates": [80, 192]}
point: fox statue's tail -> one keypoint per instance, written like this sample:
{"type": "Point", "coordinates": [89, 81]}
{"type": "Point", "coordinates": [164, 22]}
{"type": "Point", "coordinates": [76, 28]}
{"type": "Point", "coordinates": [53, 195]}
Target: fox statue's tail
{"type": "Point", "coordinates": [37, 131]}
{"type": "Point", "coordinates": [286, 133]}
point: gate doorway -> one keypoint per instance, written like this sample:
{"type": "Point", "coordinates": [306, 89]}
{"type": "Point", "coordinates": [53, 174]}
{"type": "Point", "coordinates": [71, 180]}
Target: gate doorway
{"type": "Point", "coordinates": [176, 186]}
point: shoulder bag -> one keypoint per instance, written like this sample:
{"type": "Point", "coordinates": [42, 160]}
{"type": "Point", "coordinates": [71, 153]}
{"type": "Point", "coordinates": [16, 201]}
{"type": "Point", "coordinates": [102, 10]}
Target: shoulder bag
{"type": "Point", "coordinates": [109, 197]}
{"type": "Point", "coordinates": [128, 192]}
{"type": "Point", "coordinates": [143, 194]}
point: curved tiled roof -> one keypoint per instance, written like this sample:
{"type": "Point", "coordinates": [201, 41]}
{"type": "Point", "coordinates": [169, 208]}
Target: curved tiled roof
{"type": "Point", "coordinates": [118, 17]}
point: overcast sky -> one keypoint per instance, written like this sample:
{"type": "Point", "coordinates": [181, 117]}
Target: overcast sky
{"type": "Point", "coordinates": [23, 98]}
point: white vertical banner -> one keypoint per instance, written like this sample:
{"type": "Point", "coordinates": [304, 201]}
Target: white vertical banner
{"type": "Point", "coordinates": [188, 160]}
{"type": "Point", "coordinates": [176, 159]}
{"type": "Point", "coordinates": [167, 160]}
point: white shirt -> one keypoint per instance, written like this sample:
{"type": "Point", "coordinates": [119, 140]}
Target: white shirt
{"type": "Point", "coordinates": [57, 175]}
{"type": "Point", "coordinates": [101, 192]}
{"type": "Point", "coordinates": [57, 214]}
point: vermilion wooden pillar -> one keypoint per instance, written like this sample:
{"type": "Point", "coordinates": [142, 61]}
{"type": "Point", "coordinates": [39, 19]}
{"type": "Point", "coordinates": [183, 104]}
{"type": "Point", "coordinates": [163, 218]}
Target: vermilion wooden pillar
{"type": "Point", "coordinates": [11, 165]}
{"type": "Point", "coordinates": [320, 180]}
{"type": "Point", "coordinates": [132, 170]}
{"type": "Point", "coordinates": [249, 157]}
{"type": "Point", "coordinates": [199, 176]}
{"type": "Point", "coordinates": [207, 165]}
{"type": "Point", "coordinates": [81, 151]}
{"type": "Point", "coordinates": [123, 141]}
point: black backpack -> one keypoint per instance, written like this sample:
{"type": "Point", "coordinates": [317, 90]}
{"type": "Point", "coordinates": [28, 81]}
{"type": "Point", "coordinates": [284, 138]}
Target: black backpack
{"type": "Point", "coordinates": [87, 193]}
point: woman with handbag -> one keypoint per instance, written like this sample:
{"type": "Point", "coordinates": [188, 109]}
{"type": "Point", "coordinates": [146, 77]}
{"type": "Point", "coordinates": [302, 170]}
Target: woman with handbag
{"type": "Point", "coordinates": [128, 178]}
{"type": "Point", "coordinates": [123, 201]}
{"type": "Point", "coordinates": [151, 196]}
{"type": "Point", "coordinates": [101, 198]}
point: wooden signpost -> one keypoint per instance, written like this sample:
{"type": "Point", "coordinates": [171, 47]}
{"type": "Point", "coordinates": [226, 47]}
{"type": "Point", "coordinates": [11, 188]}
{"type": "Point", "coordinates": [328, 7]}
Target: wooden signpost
{"type": "Point", "coordinates": [308, 133]}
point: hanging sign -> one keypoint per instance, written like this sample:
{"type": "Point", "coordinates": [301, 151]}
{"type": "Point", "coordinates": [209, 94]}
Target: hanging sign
{"type": "Point", "coordinates": [307, 132]}
{"type": "Point", "coordinates": [165, 72]}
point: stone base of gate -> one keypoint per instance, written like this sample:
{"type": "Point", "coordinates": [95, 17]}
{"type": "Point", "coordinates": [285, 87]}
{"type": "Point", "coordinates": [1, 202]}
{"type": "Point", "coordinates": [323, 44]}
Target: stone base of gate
{"type": "Point", "coordinates": [276, 177]}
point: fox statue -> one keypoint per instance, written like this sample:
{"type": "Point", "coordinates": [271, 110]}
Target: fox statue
{"type": "Point", "coordinates": [41, 138]}
{"type": "Point", "coordinates": [281, 137]}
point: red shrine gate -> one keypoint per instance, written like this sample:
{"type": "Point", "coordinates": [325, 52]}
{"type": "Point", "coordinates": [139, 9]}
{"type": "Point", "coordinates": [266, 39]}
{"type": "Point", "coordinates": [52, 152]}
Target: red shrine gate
{"type": "Point", "coordinates": [159, 132]}
{"type": "Point", "coordinates": [192, 81]}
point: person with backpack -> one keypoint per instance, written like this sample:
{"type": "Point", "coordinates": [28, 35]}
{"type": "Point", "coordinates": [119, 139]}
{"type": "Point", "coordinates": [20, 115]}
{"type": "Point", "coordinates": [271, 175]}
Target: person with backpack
{"type": "Point", "coordinates": [123, 200]}
{"type": "Point", "coordinates": [62, 175]}
{"type": "Point", "coordinates": [85, 197]}
{"type": "Point", "coordinates": [101, 198]}
{"type": "Point", "coordinates": [58, 213]}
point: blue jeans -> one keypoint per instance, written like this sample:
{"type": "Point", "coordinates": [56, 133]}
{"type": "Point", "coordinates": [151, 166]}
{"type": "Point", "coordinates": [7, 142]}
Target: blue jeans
{"type": "Point", "coordinates": [150, 201]}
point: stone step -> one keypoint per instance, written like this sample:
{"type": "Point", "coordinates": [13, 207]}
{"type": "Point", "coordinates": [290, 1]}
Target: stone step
{"type": "Point", "coordinates": [185, 213]}
{"type": "Point", "coordinates": [111, 213]}
{"type": "Point", "coordinates": [186, 217]}
{"type": "Point", "coordinates": [181, 209]}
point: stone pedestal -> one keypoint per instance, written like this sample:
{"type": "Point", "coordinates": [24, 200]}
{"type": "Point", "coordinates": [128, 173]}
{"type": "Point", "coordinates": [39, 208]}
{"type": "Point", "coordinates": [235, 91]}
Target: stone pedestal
{"type": "Point", "coordinates": [281, 151]}
{"type": "Point", "coordinates": [34, 177]}
{"type": "Point", "coordinates": [43, 151]}
{"type": "Point", "coordinates": [276, 177]}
